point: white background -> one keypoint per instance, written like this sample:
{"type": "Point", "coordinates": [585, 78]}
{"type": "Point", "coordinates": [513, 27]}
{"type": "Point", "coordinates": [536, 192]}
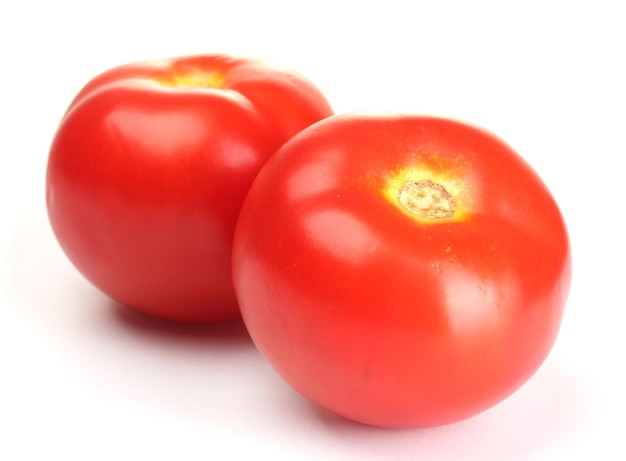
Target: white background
{"type": "Point", "coordinates": [84, 379]}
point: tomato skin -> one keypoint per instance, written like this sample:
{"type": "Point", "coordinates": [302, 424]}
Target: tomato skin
{"type": "Point", "coordinates": [388, 318]}
{"type": "Point", "coordinates": [150, 165]}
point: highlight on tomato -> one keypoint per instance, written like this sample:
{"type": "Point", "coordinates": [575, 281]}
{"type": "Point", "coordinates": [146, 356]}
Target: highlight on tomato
{"type": "Point", "coordinates": [150, 165]}
{"type": "Point", "coordinates": [401, 270]}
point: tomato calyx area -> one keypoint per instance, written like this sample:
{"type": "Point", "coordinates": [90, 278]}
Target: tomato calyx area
{"type": "Point", "coordinates": [428, 195]}
{"type": "Point", "coordinates": [426, 199]}
{"type": "Point", "coordinates": [196, 79]}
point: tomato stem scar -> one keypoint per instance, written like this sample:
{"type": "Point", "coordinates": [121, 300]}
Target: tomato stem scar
{"type": "Point", "coordinates": [426, 199]}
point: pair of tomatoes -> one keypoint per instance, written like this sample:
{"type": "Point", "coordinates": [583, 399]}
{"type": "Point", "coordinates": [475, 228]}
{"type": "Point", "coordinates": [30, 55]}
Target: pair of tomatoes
{"type": "Point", "coordinates": [399, 270]}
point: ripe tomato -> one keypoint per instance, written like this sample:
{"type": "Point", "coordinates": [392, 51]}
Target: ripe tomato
{"type": "Point", "coordinates": [149, 168]}
{"type": "Point", "coordinates": [400, 270]}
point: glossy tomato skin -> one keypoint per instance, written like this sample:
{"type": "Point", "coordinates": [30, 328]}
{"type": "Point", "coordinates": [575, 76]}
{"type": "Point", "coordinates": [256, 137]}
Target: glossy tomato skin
{"type": "Point", "coordinates": [383, 315]}
{"type": "Point", "coordinates": [149, 168]}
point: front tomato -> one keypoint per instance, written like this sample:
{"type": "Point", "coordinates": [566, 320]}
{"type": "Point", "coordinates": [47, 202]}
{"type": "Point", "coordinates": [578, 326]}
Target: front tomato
{"type": "Point", "coordinates": [150, 165]}
{"type": "Point", "coordinates": [399, 270]}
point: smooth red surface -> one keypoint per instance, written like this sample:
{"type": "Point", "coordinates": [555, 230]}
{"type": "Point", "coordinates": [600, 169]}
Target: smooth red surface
{"type": "Point", "coordinates": [150, 165]}
{"type": "Point", "coordinates": [383, 317]}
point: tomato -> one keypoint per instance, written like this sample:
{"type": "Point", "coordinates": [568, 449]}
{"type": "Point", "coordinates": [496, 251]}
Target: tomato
{"type": "Point", "coordinates": [401, 270]}
{"type": "Point", "coordinates": [150, 165]}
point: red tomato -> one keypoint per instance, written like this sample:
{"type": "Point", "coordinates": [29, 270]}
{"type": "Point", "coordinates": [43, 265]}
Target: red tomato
{"type": "Point", "coordinates": [399, 270]}
{"type": "Point", "coordinates": [149, 168]}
